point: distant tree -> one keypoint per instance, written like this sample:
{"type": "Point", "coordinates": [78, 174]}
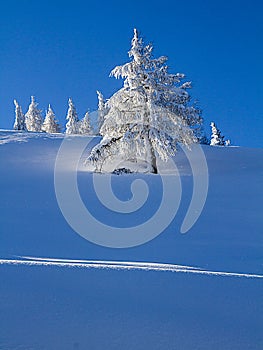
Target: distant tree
{"type": "Point", "coordinates": [102, 110]}
{"type": "Point", "coordinates": [149, 115]}
{"type": "Point", "coordinates": [33, 117]}
{"type": "Point", "coordinates": [72, 118]}
{"type": "Point", "coordinates": [201, 135]}
{"type": "Point", "coordinates": [50, 124]}
{"type": "Point", "coordinates": [20, 123]}
{"type": "Point", "coordinates": [217, 139]}
{"type": "Point", "coordinates": [84, 125]}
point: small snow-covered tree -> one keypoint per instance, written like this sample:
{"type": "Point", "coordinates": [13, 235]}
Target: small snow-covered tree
{"type": "Point", "coordinates": [102, 110]}
{"type": "Point", "coordinates": [50, 124]}
{"type": "Point", "coordinates": [72, 118]}
{"type": "Point", "coordinates": [20, 123]}
{"type": "Point", "coordinates": [149, 115]}
{"type": "Point", "coordinates": [84, 125]}
{"type": "Point", "coordinates": [216, 138]}
{"type": "Point", "coordinates": [33, 117]}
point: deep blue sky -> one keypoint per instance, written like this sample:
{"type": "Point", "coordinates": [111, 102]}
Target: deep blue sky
{"type": "Point", "coordinates": [56, 49]}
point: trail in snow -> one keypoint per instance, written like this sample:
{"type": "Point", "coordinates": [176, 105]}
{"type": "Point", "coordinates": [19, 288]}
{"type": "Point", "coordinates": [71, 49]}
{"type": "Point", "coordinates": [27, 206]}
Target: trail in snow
{"type": "Point", "coordinates": [120, 265]}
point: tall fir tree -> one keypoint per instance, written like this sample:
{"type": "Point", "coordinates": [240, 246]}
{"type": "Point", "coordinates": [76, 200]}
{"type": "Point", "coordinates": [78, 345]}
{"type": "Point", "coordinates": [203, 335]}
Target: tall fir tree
{"type": "Point", "coordinates": [19, 123]}
{"type": "Point", "coordinates": [72, 118]}
{"type": "Point", "coordinates": [149, 115]}
{"type": "Point", "coordinates": [50, 124]}
{"type": "Point", "coordinates": [84, 125]}
{"type": "Point", "coordinates": [33, 117]}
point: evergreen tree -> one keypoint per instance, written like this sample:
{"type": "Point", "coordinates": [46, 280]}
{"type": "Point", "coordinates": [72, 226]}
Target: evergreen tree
{"type": "Point", "coordinates": [19, 118]}
{"type": "Point", "coordinates": [84, 125]}
{"type": "Point", "coordinates": [33, 117]}
{"type": "Point", "coordinates": [72, 118]}
{"type": "Point", "coordinates": [102, 110]}
{"type": "Point", "coordinates": [50, 124]}
{"type": "Point", "coordinates": [149, 115]}
{"type": "Point", "coordinates": [216, 138]}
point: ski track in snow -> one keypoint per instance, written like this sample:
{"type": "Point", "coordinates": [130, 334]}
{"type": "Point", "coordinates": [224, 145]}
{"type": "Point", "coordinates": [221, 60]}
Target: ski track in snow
{"type": "Point", "coordinates": [120, 265]}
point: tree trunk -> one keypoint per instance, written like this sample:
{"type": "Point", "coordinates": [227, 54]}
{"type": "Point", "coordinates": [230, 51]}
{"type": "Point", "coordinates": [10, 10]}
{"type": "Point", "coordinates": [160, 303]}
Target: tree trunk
{"type": "Point", "coordinates": [153, 159]}
{"type": "Point", "coordinates": [150, 155]}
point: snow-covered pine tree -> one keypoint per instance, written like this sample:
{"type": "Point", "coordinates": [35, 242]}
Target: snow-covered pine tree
{"type": "Point", "coordinates": [149, 115]}
{"type": "Point", "coordinates": [102, 110]}
{"type": "Point", "coordinates": [84, 125]}
{"type": "Point", "coordinates": [216, 138]}
{"type": "Point", "coordinates": [72, 118]}
{"type": "Point", "coordinates": [33, 117]}
{"type": "Point", "coordinates": [50, 124]}
{"type": "Point", "coordinates": [19, 123]}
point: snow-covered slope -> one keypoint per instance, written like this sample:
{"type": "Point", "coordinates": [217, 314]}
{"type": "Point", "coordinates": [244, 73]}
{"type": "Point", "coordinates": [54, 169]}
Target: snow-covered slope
{"type": "Point", "coordinates": [200, 290]}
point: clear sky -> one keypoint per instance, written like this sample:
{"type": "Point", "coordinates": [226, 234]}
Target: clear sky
{"type": "Point", "coordinates": [58, 49]}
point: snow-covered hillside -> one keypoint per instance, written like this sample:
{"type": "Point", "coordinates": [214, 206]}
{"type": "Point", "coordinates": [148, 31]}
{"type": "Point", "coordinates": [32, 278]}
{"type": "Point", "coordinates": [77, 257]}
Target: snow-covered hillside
{"type": "Point", "coordinates": [200, 290]}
